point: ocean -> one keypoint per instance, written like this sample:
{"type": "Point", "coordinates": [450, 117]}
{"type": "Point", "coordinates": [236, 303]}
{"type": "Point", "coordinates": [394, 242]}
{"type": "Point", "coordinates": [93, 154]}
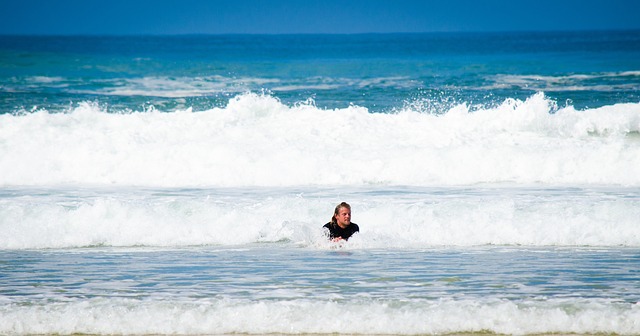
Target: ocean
{"type": "Point", "coordinates": [156, 185]}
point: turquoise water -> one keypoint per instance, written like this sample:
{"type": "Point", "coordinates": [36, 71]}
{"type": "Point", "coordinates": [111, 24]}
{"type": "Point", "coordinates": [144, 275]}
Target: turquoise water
{"type": "Point", "coordinates": [178, 184]}
{"type": "Point", "coordinates": [383, 72]}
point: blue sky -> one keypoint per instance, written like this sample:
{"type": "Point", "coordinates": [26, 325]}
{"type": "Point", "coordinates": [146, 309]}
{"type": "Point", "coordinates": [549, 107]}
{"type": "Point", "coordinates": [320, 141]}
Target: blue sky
{"type": "Point", "coordinates": [118, 17]}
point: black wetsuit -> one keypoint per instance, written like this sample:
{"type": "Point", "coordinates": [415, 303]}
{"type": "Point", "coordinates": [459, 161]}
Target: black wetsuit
{"type": "Point", "coordinates": [336, 231]}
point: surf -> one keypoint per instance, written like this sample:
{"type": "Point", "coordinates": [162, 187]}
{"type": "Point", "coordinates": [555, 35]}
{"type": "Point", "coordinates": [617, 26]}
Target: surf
{"type": "Point", "coordinates": [256, 140]}
{"type": "Point", "coordinates": [292, 217]}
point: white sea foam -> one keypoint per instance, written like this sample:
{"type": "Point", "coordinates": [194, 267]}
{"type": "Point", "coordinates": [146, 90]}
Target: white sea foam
{"type": "Point", "coordinates": [174, 87]}
{"type": "Point", "coordinates": [45, 79]}
{"type": "Point", "coordinates": [199, 86]}
{"type": "Point", "coordinates": [604, 82]}
{"type": "Point", "coordinates": [180, 86]}
{"type": "Point", "coordinates": [258, 141]}
{"type": "Point", "coordinates": [59, 218]}
{"type": "Point", "coordinates": [109, 316]}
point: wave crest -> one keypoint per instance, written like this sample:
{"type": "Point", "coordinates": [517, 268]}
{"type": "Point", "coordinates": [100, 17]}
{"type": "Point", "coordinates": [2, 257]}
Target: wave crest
{"type": "Point", "coordinates": [256, 140]}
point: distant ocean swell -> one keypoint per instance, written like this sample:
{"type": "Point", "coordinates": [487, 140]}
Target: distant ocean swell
{"type": "Point", "coordinates": [184, 86]}
{"type": "Point", "coordinates": [108, 316]}
{"type": "Point", "coordinates": [256, 140]}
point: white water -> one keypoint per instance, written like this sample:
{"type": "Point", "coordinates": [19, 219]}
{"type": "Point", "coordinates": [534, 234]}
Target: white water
{"type": "Point", "coordinates": [207, 316]}
{"type": "Point", "coordinates": [258, 141]}
{"type": "Point", "coordinates": [603, 82]}
{"type": "Point", "coordinates": [176, 87]}
{"type": "Point", "coordinates": [389, 217]}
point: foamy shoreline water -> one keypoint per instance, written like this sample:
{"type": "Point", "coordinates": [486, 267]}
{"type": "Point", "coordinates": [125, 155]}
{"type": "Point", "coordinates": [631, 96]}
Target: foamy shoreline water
{"type": "Point", "coordinates": [273, 289]}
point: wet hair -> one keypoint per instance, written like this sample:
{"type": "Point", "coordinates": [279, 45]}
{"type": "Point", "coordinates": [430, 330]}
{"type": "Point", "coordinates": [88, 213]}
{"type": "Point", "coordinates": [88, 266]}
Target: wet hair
{"type": "Point", "coordinates": [337, 210]}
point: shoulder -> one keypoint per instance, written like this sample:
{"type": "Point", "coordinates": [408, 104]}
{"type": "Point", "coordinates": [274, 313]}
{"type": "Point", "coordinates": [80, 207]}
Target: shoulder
{"type": "Point", "coordinates": [328, 225]}
{"type": "Point", "coordinates": [355, 227]}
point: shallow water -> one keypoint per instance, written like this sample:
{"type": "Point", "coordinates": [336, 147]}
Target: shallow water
{"type": "Point", "coordinates": [254, 260]}
{"type": "Point", "coordinates": [285, 289]}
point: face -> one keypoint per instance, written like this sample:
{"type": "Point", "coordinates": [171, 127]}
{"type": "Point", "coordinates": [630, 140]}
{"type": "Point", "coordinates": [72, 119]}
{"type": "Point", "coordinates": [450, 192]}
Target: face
{"type": "Point", "coordinates": [343, 218]}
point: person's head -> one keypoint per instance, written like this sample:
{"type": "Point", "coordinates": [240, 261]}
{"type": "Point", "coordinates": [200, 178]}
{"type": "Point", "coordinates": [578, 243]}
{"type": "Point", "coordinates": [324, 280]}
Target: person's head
{"type": "Point", "coordinates": [342, 215]}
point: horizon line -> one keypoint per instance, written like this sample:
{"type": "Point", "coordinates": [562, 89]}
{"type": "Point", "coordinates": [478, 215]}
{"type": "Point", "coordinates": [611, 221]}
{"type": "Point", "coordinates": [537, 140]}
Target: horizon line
{"type": "Point", "coordinates": [524, 31]}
